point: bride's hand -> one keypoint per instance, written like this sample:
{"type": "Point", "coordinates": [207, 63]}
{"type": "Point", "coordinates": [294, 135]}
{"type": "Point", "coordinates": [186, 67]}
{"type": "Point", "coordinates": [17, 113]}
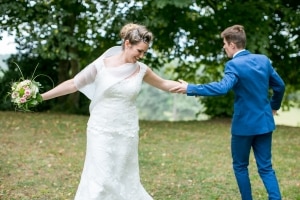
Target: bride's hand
{"type": "Point", "coordinates": [181, 88]}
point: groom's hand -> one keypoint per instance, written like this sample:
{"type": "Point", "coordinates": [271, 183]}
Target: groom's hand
{"type": "Point", "coordinates": [181, 88]}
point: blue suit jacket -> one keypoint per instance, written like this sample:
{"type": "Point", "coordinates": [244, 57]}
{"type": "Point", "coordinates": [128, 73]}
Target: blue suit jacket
{"type": "Point", "coordinates": [250, 76]}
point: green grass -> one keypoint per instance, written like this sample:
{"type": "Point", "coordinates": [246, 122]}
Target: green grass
{"type": "Point", "coordinates": [42, 154]}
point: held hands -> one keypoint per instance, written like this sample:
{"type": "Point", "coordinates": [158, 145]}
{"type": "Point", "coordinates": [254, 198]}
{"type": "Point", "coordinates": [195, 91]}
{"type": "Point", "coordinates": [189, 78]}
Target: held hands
{"type": "Point", "coordinates": [181, 88]}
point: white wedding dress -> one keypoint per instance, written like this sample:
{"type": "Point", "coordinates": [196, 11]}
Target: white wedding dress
{"type": "Point", "coordinates": [111, 167]}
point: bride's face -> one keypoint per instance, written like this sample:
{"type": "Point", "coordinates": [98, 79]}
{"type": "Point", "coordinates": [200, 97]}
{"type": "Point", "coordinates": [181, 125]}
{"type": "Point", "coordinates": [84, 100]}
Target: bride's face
{"type": "Point", "coordinates": [135, 52]}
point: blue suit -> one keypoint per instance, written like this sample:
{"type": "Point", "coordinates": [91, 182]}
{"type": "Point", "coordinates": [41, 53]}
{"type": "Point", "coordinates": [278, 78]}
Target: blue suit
{"type": "Point", "coordinates": [250, 76]}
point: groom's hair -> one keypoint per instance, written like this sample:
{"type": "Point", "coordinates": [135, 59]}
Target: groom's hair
{"type": "Point", "coordinates": [235, 34]}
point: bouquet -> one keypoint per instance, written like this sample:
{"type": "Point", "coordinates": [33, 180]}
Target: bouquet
{"type": "Point", "coordinates": [25, 93]}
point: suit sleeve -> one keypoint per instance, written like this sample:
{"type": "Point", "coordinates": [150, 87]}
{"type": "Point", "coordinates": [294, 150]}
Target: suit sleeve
{"type": "Point", "coordinates": [214, 88]}
{"type": "Point", "coordinates": [278, 87]}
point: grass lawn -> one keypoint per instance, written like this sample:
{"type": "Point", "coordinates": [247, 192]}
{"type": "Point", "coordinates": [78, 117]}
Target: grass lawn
{"type": "Point", "coordinates": [42, 154]}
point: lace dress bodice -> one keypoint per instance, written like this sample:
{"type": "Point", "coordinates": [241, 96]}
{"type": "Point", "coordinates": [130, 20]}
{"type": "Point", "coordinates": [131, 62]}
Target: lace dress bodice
{"type": "Point", "coordinates": [116, 109]}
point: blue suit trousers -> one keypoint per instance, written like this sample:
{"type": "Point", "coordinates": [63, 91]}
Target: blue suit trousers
{"type": "Point", "coordinates": [240, 150]}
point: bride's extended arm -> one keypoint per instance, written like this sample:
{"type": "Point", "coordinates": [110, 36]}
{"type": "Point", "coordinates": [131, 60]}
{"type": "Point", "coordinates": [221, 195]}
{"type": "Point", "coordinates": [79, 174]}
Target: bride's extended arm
{"type": "Point", "coordinates": [158, 82]}
{"type": "Point", "coordinates": [64, 88]}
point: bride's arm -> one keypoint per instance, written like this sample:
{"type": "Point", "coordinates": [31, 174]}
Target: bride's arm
{"type": "Point", "coordinates": [64, 88]}
{"type": "Point", "coordinates": [84, 77]}
{"type": "Point", "coordinates": [158, 82]}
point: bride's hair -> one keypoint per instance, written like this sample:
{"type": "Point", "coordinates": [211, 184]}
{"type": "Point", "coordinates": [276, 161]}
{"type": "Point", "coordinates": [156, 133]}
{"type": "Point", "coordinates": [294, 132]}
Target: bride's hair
{"type": "Point", "coordinates": [136, 33]}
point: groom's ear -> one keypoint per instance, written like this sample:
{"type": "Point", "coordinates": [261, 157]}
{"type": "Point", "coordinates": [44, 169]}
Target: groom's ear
{"type": "Point", "coordinates": [232, 45]}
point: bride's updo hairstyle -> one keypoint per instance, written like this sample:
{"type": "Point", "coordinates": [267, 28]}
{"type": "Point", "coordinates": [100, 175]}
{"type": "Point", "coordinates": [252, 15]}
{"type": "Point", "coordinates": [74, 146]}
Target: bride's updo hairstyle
{"type": "Point", "coordinates": [135, 33]}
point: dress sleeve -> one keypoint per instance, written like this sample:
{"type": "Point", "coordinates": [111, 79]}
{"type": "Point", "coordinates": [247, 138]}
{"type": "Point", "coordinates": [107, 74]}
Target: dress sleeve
{"type": "Point", "coordinates": [84, 80]}
{"type": "Point", "coordinates": [88, 74]}
{"type": "Point", "coordinates": [85, 76]}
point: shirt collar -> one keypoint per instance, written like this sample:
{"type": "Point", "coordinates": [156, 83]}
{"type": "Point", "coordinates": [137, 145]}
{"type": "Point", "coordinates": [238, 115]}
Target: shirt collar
{"type": "Point", "coordinates": [236, 53]}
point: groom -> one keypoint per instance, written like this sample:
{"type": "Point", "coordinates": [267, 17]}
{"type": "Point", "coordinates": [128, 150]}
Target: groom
{"type": "Point", "coordinates": [250, 76]}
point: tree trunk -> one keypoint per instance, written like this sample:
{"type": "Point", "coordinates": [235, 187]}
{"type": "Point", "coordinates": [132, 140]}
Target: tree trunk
{"type": "Point", "coordinates": [66, 70]}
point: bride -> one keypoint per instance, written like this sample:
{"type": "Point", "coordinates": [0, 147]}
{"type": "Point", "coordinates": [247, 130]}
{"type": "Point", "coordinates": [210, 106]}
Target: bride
{"type": "Point", "coordinates": [112, 83]}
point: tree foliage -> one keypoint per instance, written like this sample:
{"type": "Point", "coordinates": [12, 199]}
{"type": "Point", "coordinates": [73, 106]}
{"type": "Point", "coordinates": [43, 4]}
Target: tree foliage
{"type": "Point", "coordinates": [72, 33]}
